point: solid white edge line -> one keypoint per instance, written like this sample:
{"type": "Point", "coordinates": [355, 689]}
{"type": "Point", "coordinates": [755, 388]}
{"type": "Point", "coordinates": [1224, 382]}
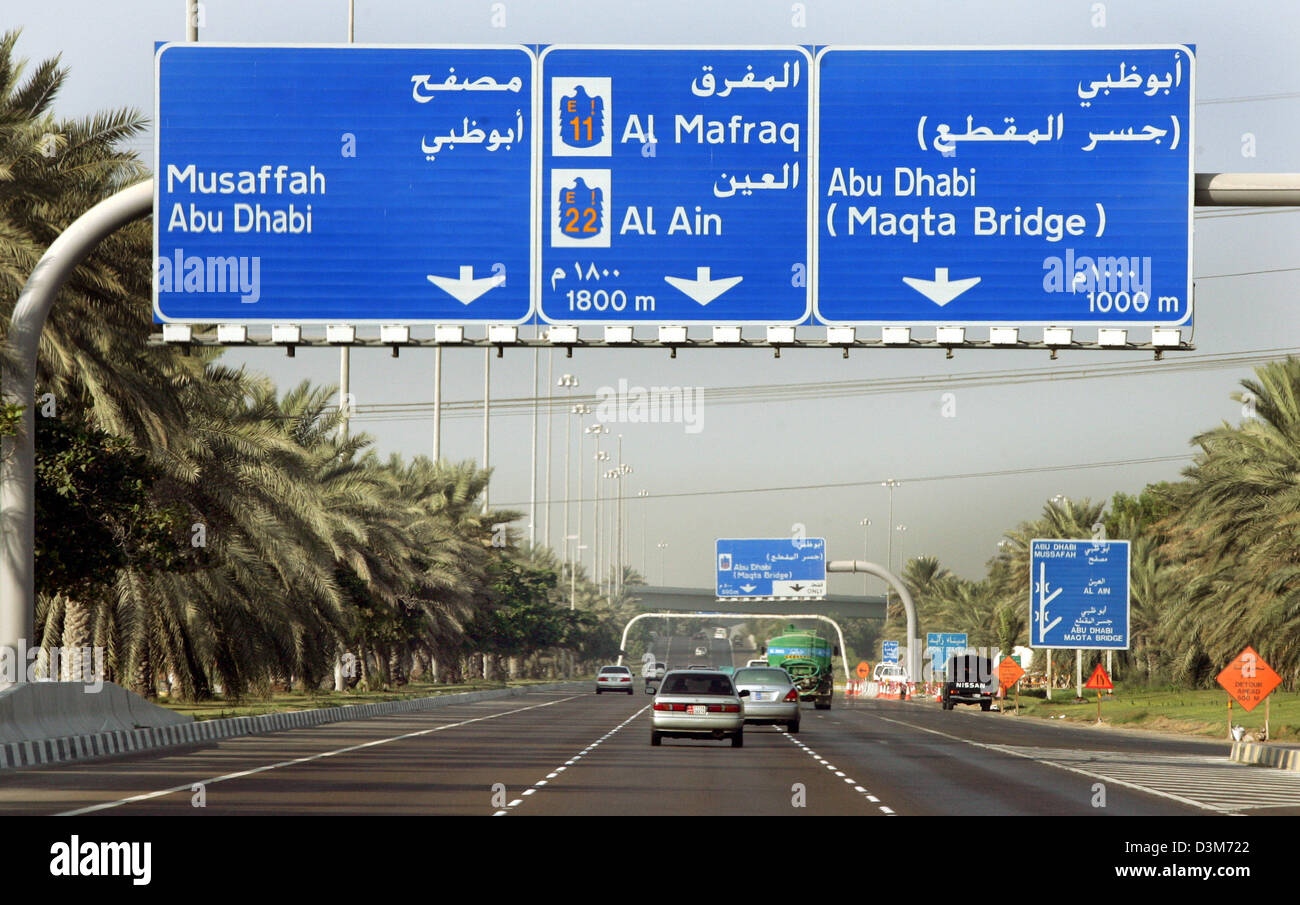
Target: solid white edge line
{"type": "Point", "coordinates": [189, 787]}
{"type": "Point", "coordinates": [1118, 782]}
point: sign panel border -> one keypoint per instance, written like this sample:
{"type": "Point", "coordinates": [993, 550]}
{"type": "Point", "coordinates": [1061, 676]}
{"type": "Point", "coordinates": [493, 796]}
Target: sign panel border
{"type": "Point", "coordinates": [534, 149]}
{"type": "Point", "coordinates": [1128, 594]}
{"type": "Point", "coordinates": [1190, 138]}
{"type": "Point", "coordinates": [808, 318]}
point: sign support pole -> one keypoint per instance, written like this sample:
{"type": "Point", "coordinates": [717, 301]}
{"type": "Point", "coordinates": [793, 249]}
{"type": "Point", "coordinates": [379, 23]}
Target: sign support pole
{"type": "Point", "coordinates": [1078, 672]}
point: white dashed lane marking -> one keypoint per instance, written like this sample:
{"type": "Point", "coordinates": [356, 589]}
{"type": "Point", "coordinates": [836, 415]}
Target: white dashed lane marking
{"type": "Point", "coordinates": [847, 779]}
{"type": "Point", "coordinates": [568, 763]}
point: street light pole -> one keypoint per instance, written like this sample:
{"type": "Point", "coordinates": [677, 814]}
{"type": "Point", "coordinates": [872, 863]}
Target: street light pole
{"type": "Point", "coordinates": [550, 424]}
{"type": "Point", "coordinates": [866, 528]}
{"type": "Point", "coordinates": [662, 574]}
{"type": "Point", "coordinates": [642, 494]}
{"type": "Point", "coordinates": [568, 381]}
{"type": "Point", "coordinates": [891, 484]}
{"type": "Point", "coordinates": [487, 416]}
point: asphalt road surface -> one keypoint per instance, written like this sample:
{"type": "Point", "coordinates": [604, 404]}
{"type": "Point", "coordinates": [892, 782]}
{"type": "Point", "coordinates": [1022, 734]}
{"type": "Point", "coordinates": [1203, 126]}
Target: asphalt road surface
{"type": "Point", "coordinates": [579, 753]}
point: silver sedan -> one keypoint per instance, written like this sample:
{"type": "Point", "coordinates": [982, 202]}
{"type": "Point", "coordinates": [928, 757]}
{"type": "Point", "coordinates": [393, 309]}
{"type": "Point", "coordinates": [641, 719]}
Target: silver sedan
{"type": "Point", "coordinates": [772, 696]}
{"type": "Point", "coordinates": [701, 704]}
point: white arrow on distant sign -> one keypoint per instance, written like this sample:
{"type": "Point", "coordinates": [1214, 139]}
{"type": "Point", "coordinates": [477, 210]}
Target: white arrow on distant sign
{"type": "Point", "coordinates": [1043, 600]}
{"type": "Point", "coordinates": [465, 288]}
{"type": "Point", "coordinates": [747, 588]}
{"type": "Point", "coordinates": [702, 289]}
{"type": "Point", "coordinates": [940, 290]}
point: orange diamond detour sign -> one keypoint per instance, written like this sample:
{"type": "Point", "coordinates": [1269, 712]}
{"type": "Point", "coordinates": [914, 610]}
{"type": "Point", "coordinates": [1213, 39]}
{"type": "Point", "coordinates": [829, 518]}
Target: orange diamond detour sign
{"type": "Point", "coordinates": [1249, 679]}
{"type": "Point", "coordinates": [1009, 672]}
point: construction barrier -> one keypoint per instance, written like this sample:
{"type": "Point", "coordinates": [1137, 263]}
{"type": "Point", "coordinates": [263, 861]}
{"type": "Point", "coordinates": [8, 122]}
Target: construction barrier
{"type": "Point", "coordinates": [894, 691]}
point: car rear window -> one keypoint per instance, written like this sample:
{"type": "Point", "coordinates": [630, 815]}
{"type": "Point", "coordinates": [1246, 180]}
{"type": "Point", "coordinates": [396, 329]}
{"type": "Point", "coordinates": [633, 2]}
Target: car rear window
{"type": "Point", "coordinates": [681, 683]}
{"type": "Point", "coordinates": [970, 669]}
{"type": "Point", "coordinates": [614, 669]}
{"type": "Point", "coordinates": [758, 676]}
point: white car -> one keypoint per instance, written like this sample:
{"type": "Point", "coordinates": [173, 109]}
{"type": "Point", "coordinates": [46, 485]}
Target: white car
{"type": "Point", "coordinates": [701, 651]}
{"type": "Point", "coordinates": [889, 672]}
{"type": "Point", "coordinates": [699, 705]}
{"type": "Point", "coordinates": [720, 634]}
{"type": "Point", "coordinates": [614, 678]}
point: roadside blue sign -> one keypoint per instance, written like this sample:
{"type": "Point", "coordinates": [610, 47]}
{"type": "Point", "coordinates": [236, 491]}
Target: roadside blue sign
{"type": "Point", "coordinates": [675, 185]}
{"type": "Point", "coordinates": [889, 651]}
{"type": "Point", "coordinates": [943, 645]}
{"type": "Point", "coordinates": [343, 184]}
{"type": "Point", "coordinates": [1029, 186]}
{"type": "Point", "coordinates": [772, 567]}
{"type": "Point", "coordinates": [1079, 594]}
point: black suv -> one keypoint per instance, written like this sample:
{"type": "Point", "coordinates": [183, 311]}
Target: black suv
{"type": "Point", "coordinates": [970, 680]}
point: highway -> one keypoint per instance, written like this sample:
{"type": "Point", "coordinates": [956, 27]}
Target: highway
{"type": "Point", "coordinates": [577, 753]}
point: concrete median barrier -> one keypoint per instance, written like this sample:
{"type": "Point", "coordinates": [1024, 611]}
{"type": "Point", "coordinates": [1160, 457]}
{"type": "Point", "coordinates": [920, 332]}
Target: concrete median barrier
{"type": "Point", "coordinates": [112, 727]}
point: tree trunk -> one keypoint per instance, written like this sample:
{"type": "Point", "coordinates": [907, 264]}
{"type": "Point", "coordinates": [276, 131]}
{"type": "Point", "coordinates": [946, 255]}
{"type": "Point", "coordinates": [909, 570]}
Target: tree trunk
{"type": "Point", "coordinates": [73, 664]}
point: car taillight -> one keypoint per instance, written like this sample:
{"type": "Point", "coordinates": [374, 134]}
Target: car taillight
{"type": "Point", "coordinates": [724, 708]}
{"type": "Point", "coordinates": [792, 696]}
{"type": "Point", "coordinates": [681, 708]}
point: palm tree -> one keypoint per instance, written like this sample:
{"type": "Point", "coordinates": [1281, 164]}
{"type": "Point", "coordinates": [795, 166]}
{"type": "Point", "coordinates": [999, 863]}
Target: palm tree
{"type": "Point", "coordinates": [94, 353]}
{"type": "Point", "coordinates": [1235, 538]}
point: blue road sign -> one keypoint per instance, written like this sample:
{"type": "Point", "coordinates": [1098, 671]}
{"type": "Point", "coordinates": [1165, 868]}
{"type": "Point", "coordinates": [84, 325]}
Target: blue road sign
{"type": "Point", "coordinates": [343, 184]}
{"type": "Point", "coordinates": [889, 651]}
{"type": "Point", "coordinates": [1079, 594]}
{"type": "Point", "coordinates": [675, 185]}
{"type": "Point", "coordinates": [943, 645]}
{"type": "Point", "coordinates": [772, 567]}
{"type": "Point", "coordinates": [1028, 186]}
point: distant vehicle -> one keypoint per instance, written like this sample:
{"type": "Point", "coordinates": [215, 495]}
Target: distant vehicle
{"type": "Point", "coordinates": [889, 672]}
{"type": "Point", "coordinates": [756, 662]}
{"type": "Point", "coordinates": [661, 669]}
{"type": "Point", "coordinates": [614, 678]}
{"type": "Point", "coordinates": [700, 705]}
{"type": "Point", "coordinates": [701, 651]}
{"type": "Point", "coordinates": [970, 680]}
{"type": "Point", "coordinates": [720, 633]}
{"type": "Point", "coordinates": [806, 656]}
{"type": "Point", "coordinates": [729, 670]}
{"type": "Point", "coordinates": [772, 696]}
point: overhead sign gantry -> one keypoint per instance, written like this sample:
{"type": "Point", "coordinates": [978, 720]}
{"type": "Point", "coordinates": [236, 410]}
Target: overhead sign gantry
{"type": "Point", "coordinates": [669, 186]}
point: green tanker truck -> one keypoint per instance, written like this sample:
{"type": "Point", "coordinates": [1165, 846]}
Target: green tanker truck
{"type": "Point", "coordinates": [806, 656]}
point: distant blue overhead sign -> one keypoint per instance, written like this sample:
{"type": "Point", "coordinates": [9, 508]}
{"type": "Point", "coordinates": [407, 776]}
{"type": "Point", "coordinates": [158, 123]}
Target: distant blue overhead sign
{"type": "Point", "coordinates": [943, 645]}
{"type": "Point", "coordinates": [1015, 186]}
{"type": "Point", "coordinates": [343, 184]}
{"type": "Point", "coordinates": [1079, 594]}
{"type": "Point", "coordinates": [675, 185]}
{"type": "Point", "coordinates": [889, 651]}
{"type": "Point", "coordinates": [771, 567]}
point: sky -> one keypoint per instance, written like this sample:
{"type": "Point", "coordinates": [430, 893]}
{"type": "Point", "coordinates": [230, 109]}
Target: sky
{"type": "Point", "coordinates": [972, 464]}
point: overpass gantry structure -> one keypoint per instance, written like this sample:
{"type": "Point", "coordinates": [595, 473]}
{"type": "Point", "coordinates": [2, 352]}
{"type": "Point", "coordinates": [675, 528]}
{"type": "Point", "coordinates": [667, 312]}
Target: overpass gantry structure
{"type": "Point", "coordinates": [844, 654]}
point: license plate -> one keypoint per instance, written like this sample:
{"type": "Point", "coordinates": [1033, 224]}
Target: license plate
{"type": "Point", "coordinates": [758, 696]}
{"type": "Point", "coordinates": [697, 709]}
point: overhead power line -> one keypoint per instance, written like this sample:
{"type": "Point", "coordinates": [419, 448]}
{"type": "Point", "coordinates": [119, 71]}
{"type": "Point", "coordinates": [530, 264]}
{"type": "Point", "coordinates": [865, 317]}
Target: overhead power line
{"type": "Point", "coordinates": [793, 392]}
{"type": "Point", "coordinates": [876, 481]}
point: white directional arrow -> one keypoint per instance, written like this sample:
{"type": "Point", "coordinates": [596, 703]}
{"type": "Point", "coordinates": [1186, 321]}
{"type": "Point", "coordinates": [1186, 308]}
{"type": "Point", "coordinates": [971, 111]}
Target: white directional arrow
{"type": "Point", "coordinates": [702, 289]}
{"type": "Point", "coordinates": [465, 288]}
{"type": "Point", "coordinates": [748, 587]}
{"type": "Point", "coordinates": [1043, 600]}
{"type": "Point", "coordinates": [940, 290]}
